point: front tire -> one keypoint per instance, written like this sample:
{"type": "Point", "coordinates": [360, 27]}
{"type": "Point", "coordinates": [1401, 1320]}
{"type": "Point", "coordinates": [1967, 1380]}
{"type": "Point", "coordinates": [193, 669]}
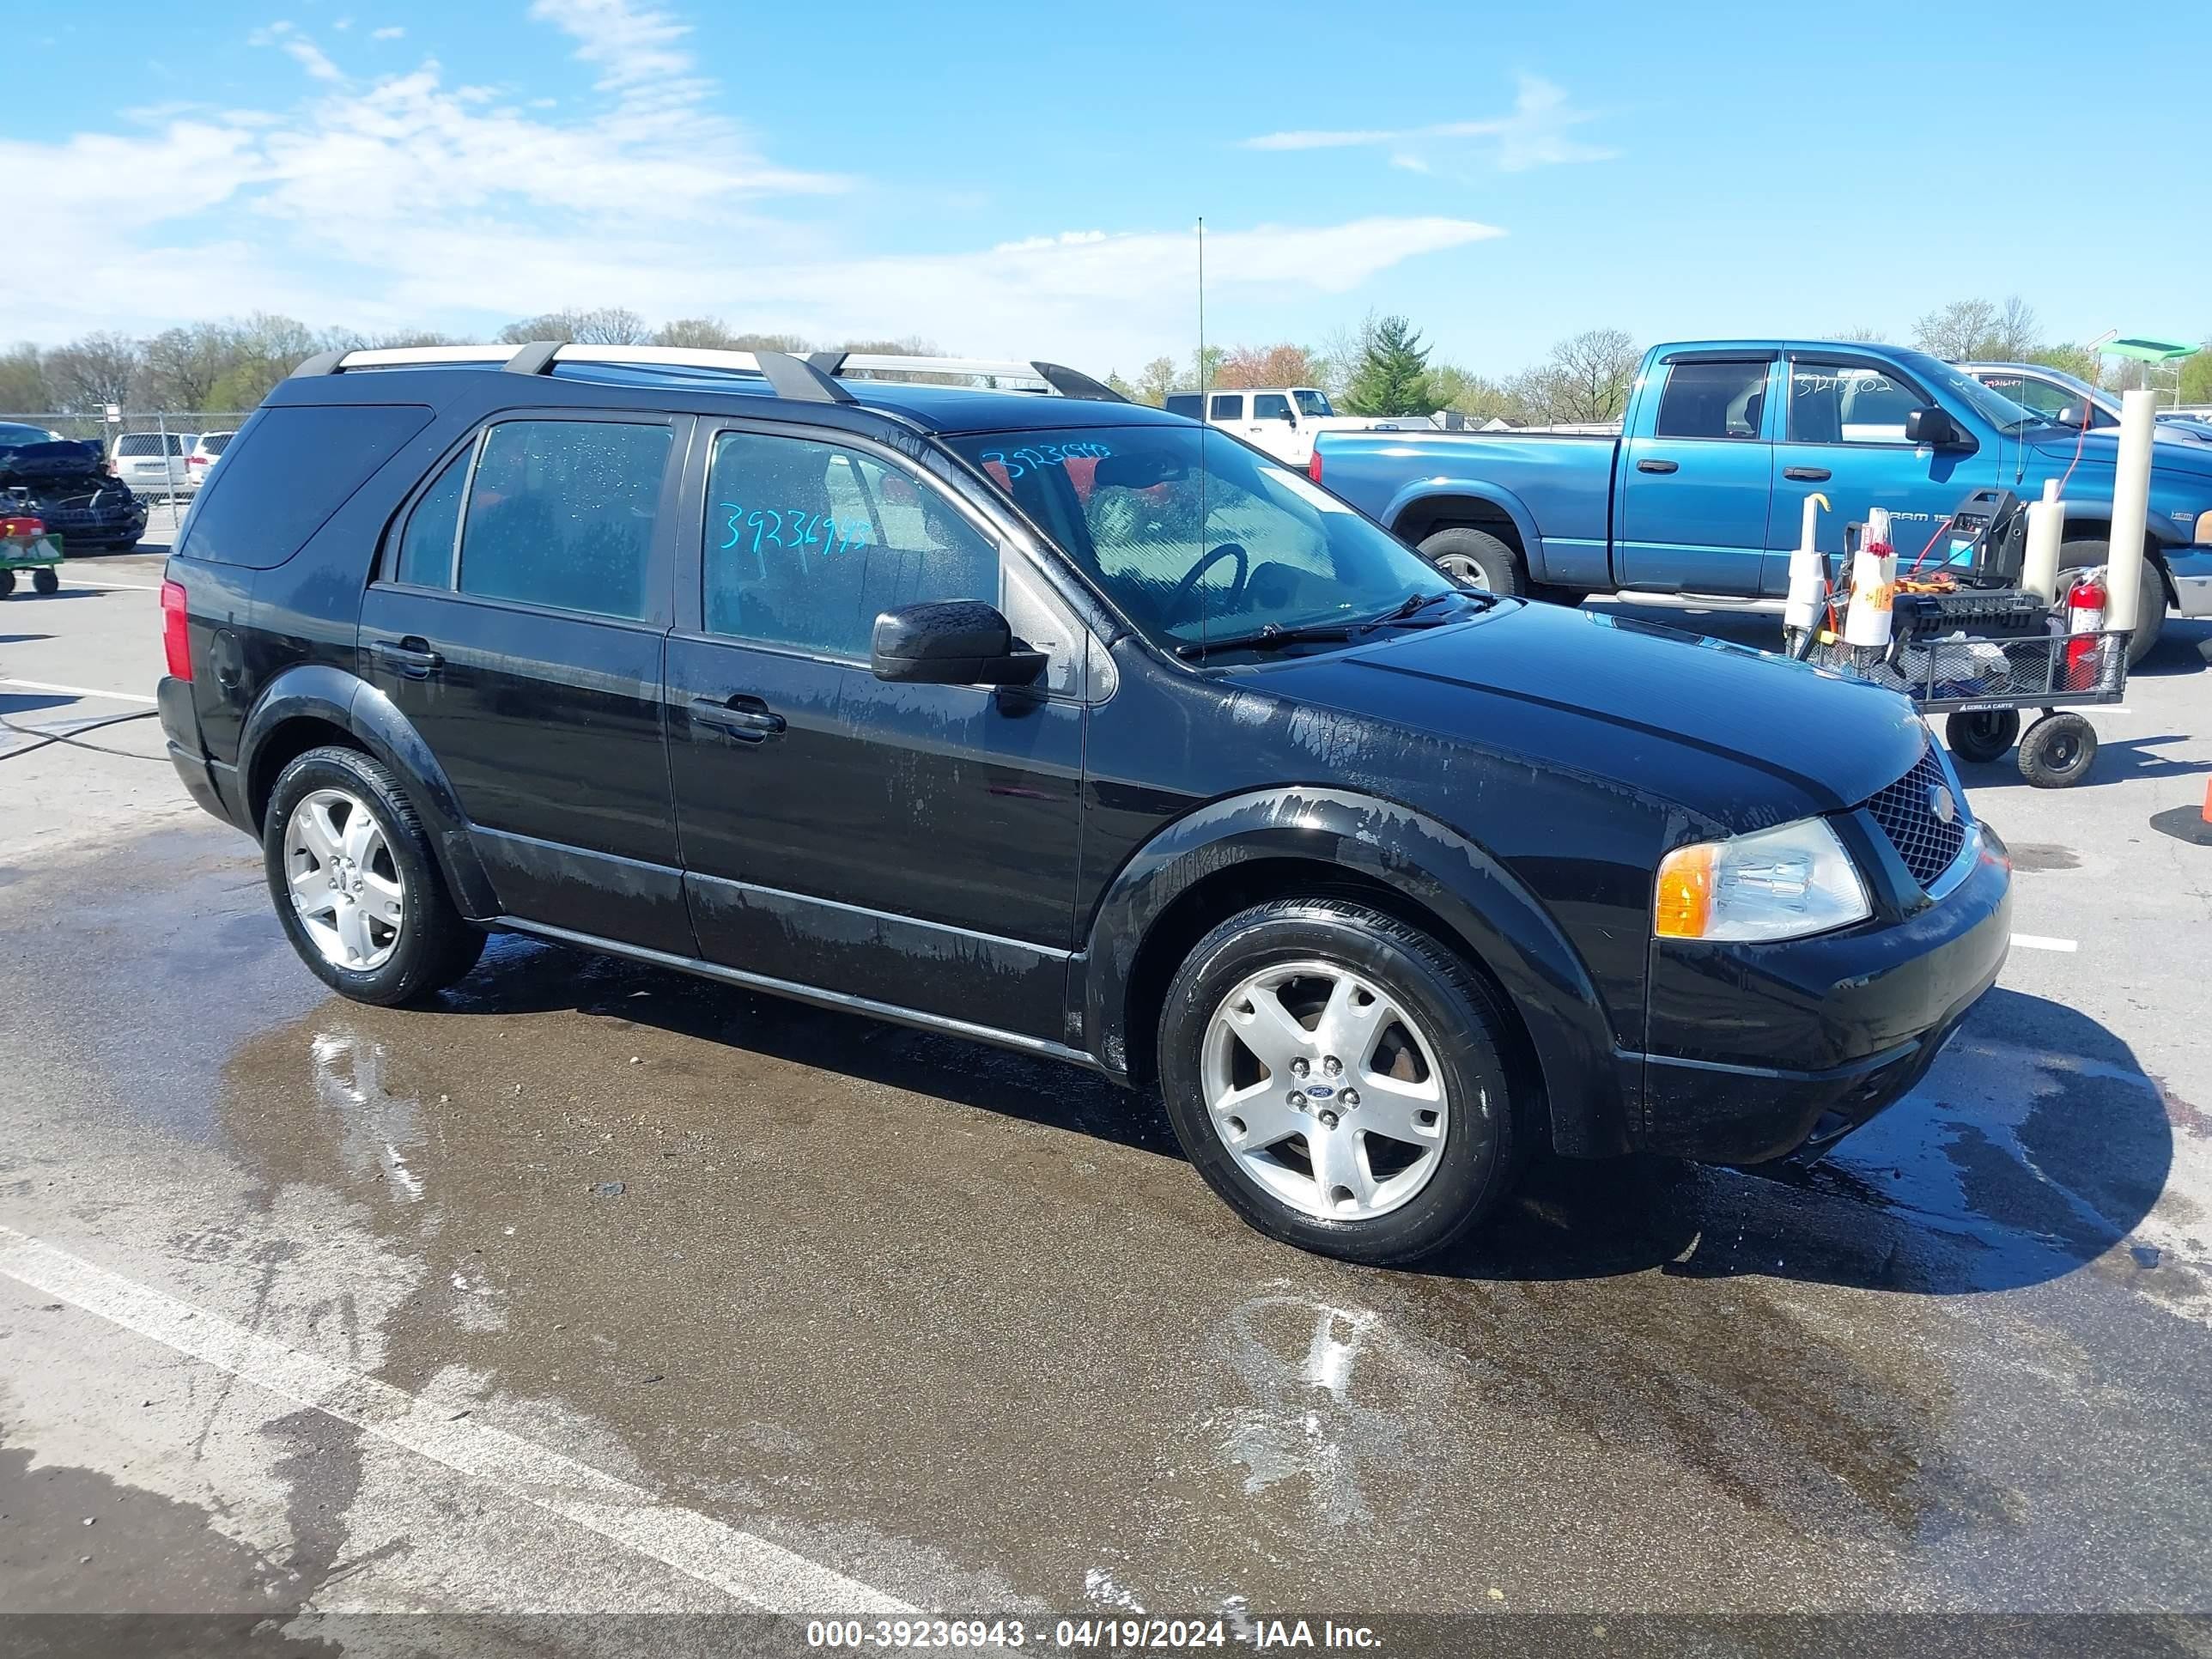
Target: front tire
{"type": "Point", "coordinates": [1982, 734]}
{"type": "Point", "coordinates": [1477, 558]}
{"type": "Point", "coordinates": [355, 883]}
{"type": "Point", "coordinates": [1341, 1080]}
{"type": "Point", "coordinates": [2058, 751]}
{"type": "Point", "coordinates": [46, 580]}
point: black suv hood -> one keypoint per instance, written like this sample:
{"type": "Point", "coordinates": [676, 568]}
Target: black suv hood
{"type": "Point", "coordinates": [1743, 737]}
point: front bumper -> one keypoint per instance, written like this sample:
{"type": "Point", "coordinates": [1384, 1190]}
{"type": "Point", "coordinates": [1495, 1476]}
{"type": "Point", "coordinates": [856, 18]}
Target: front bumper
{"type": "Point", "coordinates": [1758, 1050]}
{"type": "Point", "coordinates": [2191, 570]}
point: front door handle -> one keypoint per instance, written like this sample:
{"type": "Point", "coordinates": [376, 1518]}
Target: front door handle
{"type": "Point", "coordinates": [747, 718]}
{"type": "Point", "coordinates": [411, 656]}
{"type": "Point", "coordinates": [1806, 474]}
{"type": "Point", "coordinates": [1658, 466]}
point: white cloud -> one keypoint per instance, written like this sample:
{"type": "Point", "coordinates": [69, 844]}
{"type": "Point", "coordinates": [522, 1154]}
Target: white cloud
{"type": "Point", "coordinates": [1534, 134]}
{"type": "Point", "coordinates": [406, 200]}
{"type": "Point", "coordinates": [394, 33]}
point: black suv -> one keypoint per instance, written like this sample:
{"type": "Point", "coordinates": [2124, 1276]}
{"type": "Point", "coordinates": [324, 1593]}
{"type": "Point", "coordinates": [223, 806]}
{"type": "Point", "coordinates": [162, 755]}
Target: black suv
{"type": "Point", "coordinates": [1065, 724]}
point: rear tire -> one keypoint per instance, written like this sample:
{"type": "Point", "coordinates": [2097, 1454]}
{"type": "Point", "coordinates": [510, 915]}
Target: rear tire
{"type": "Point", "coordinates": [6, 583]}
{"type": "Point", "coordinates": [1982, 734]}
{"type": "Point", "coordinates": [1401, 1175]}
{"type": "Point", "coordinates": [46, 580]}
{"type": "Point", "coordinates": [1477, 558]}
{"type": "Point", "coordinates": [2058, 751]}
{"type": "Point", "coordinates": [2150, 606]}
{"type": "Point", "coordinates": [421, 944]}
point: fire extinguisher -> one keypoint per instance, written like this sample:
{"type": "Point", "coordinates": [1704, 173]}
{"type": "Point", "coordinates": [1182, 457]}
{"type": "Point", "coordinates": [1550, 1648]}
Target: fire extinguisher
{"type": "Point", "coordinates": [2085, 621]}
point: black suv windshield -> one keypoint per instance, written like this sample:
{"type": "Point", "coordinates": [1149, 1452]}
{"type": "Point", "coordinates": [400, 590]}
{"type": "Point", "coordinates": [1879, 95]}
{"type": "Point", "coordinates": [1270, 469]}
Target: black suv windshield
{"type": "Point", "coordinates": [1195, 535]}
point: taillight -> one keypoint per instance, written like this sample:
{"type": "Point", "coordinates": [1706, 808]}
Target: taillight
{"type": "Point", "coordinates": [176, 642]}
{"type": "Point", "coordinates": [1313, 466]}
{"type": "Point", "coordinates": [195, 460]}
{"type": "Point", "coordinates": [26, 528]}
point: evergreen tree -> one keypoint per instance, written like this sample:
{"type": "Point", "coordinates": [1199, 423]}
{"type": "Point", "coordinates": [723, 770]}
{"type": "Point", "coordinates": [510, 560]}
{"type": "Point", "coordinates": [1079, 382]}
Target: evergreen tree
{"type": "Point", "coordinates": [1393, 374]}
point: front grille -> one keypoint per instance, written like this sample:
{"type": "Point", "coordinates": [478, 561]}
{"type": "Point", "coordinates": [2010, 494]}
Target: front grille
{"type": "Point", "coordinates": [1907, 813]}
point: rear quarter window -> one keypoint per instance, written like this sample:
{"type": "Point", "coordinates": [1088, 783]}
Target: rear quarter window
{"type": "Point", "coordinates": [295, 465]}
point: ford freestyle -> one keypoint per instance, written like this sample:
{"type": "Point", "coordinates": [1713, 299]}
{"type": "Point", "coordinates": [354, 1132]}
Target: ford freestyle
{"type": "Point", "coordinates": [1068, 725]}
{"type": "Point", "coordinates": [1704, 492]}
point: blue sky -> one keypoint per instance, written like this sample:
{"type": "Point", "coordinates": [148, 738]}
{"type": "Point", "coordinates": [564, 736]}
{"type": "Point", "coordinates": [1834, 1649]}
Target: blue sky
{"type": "Point", "coordinates": [1022, 178]}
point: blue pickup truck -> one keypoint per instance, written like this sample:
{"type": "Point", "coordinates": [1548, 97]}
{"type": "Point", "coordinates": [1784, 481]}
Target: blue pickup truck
{"type": "Point", "coordinates": [1703, 490]}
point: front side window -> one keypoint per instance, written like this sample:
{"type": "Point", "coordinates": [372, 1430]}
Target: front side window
{"type": "Point", "coordinates": [1192, 534]}
{"type": "Point", "coordinates": [1848, 403]}
{"type": "Point", "coordinates": [808, 543]}
{"type": "Point", "coordinates": [1712, 400]}
{"type": "Point", "coordinates": [1270, 406]}
{"type": "Point", "coordinates": [1313, 403]}
{"type": "Point", "coordinates": [561, 513]}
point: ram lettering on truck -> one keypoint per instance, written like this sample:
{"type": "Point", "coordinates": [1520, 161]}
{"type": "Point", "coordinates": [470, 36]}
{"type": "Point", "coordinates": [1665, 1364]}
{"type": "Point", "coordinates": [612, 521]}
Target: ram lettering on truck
{"type": "Point", "coordinates": [1702, 490]}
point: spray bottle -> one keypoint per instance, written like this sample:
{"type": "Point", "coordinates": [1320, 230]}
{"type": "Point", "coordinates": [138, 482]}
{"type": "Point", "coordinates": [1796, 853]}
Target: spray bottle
{"type": "Point", "coordinates": [1873, 585]}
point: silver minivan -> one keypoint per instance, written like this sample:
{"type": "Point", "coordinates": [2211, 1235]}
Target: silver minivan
{"type": "Point", "coordinates": [139, 459]}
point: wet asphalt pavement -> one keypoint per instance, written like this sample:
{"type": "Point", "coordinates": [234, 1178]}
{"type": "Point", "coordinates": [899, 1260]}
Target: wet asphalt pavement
{"type": "Point", "coordinates": [963, 1329]}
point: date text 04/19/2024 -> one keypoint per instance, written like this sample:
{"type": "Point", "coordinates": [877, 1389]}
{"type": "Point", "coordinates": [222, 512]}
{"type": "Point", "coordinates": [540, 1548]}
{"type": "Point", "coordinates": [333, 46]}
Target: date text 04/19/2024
{"type": "Point", "coordinates": [1071, 1634]}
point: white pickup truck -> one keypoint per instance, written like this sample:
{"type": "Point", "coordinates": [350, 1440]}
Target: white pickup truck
{"type": "Point", "coordinates": [1282, 420]}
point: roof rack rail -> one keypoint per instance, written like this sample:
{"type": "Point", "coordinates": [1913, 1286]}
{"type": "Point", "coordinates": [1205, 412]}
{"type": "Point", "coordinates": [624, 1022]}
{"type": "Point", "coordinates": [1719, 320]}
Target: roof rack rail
{"type": "Point", "coordinates": [810, 378]}
{"type": "Point", "coordinates": [1068, 382]}
{"type": "Point", "coordinates": [787, 375]}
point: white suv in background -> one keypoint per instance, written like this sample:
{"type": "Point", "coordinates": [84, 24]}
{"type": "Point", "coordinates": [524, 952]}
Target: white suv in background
{"type": "Point", "coordinates": [137, 459]}
{"type": "Point", "coordinates": [1281, 419]}
{"type": "Point", "coordinates": [201, 461]}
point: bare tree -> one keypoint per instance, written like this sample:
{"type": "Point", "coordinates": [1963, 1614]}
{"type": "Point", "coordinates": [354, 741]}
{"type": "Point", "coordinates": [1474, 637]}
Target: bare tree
{"type": "Point", "coordinates": [1863, 334]}
{"type": "Point", "coordinates": [1275, 365]}
{"type": "Point", "coordinates": [1155, 380]}
{"type": "Point", "coordinates": [100, 369]}
{"type": "Point", "coordinates": [1586, 378]}
{"type": "Point", "coordinates": [23, 388]}
{"type": "Point", "coordinates": [583, 325]}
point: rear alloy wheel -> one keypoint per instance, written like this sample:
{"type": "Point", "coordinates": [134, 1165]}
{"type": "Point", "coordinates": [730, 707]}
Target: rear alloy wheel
{"type": "Point", "coordinates": [1476, 558]}
{"type": "Point", "coordinates": [351, 872]}
{"type": "Point", "coordinates": [1340, 1080]}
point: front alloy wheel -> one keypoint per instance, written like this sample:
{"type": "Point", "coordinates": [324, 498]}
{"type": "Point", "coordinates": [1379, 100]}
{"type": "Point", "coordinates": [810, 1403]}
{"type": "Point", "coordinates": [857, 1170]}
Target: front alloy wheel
{"type": "Point", "coordinates": [1325, 1090]}
{"type": "Point", "coordinates": [345, 882]}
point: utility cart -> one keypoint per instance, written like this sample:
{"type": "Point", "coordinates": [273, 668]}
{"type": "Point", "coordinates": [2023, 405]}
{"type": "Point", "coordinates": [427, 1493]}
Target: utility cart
{"type": "Point", "coordinates": [1981, 656]}
{"type": "Point", "coordinates": [26, 543]}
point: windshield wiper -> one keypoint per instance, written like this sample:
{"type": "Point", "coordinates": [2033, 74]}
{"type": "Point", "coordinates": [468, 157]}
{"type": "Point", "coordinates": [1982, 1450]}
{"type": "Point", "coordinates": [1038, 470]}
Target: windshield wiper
{"type": "Point", "coordinates": [1272, 637]}
{"type": "Point", "coordinates": [1414, 604]}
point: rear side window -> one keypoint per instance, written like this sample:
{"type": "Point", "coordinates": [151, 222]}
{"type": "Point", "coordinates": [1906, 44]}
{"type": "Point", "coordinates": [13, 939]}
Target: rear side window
{"type": "Point", "coordinates": [1228, 406]}
{"type": "Point", "coordinates": [1183, 402]}
{"type": "Point", "coordinates": [1713, 400]}
{"type": "Point", "coordinates": [562, 514]}
{"type": "Point", "coordinates": [296, 465]}
{"type": "Point", "coordinates": [433, 528]}
{"type": "Point", "coordinates": [148, 443]}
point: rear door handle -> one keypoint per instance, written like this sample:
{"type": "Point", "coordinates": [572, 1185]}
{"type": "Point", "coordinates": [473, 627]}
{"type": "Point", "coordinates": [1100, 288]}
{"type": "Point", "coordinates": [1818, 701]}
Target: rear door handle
{"type": "Point", "coordinates": [1806, 474]}
{"type": "Point", "coordinates": [411, 656]}
{"type": "Point", "coordinates": [747, 718]}
{"type": "Point", "coordinates": [1657, 466]}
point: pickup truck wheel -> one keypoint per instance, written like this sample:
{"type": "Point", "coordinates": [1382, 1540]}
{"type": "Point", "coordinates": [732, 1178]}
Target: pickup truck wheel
{"type": "Point", "coordinates": [1340, 1080]}
{"type": "Point", "coordinates": [2150, 610]}
{"type": "Point", "coordinates": [1478, 558]}
{"type": "Point", "coordinates": [356, 888]}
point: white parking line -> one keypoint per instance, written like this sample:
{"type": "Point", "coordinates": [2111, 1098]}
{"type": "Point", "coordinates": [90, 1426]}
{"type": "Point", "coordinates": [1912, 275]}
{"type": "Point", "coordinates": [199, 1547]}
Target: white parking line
{"type": "Point", "coordinates": [76, 690]}
{"type": "Point", "coordinates": [751, 1569]}
{"type": "Point", "coordinates": [2037, 942]}
{"type": "Point", "coordinates": [127, 587]}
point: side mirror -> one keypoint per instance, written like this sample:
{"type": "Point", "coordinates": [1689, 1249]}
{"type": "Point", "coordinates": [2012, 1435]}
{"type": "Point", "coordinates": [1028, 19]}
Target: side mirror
{"type": "Point", "coordinates": [953, 642]}
{"type": "Point", "coordinates": [1289, 417]}
{"type": "Point", "coordinates": [1931, 426]}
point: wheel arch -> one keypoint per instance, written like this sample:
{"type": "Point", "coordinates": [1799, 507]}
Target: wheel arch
{"type": "Point", "coordinates": [1277, 842]}
{"type": "Point", "coordinates": [1424, 510]}
{"type": "Point", "coordinates": [314, 703]}
{"type": "Point", "coordinates": [2094, 525]}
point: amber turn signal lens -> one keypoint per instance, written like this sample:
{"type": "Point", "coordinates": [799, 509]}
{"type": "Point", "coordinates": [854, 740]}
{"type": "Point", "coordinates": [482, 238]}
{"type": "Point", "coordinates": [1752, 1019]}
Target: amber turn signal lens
{"type": "Point", "coordinates": [1684, 904]}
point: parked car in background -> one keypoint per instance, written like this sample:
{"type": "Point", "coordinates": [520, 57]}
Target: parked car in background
{"type": "Point", "coordinates": [203, 458]}
{"type": "Point", "coordinates": [153, 461]}
{"type": "Point", "coordinates": [1070, 725]}
{"type": "Point", "coordinates": [2057, 396]}
{"type": "Point", "coordinates": [1705, 491]}
{"type": "Point", "coordinates": [64, 484]}
{"type": "Point", "coordinates": [1282, 420]}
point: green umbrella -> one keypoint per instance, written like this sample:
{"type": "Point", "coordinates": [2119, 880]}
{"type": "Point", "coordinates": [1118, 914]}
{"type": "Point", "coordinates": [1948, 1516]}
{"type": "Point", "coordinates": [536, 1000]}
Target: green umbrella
{"type": "Point", "coordinates": [2150, 351]}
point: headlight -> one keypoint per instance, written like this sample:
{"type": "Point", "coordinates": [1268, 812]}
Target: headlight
{"type": "Point", "coordinates": [1783, 883]}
